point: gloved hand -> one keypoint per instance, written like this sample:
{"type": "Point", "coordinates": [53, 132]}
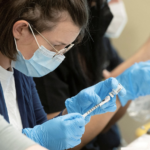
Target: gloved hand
{"type": "Point", "coordinates": [92, 96]}
{"type": "Point", "coordinates": [136, 81]}
{"type": "Point", "coordinates": [59, 133]}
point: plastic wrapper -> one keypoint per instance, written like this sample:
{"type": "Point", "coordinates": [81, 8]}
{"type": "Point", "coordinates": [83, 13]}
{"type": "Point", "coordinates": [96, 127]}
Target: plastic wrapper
{"type": "Point", "coordinates": [139, 109]}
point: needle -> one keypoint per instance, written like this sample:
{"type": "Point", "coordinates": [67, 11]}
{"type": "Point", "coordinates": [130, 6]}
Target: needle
{"type": "Point", "coordinates": [111, 94]}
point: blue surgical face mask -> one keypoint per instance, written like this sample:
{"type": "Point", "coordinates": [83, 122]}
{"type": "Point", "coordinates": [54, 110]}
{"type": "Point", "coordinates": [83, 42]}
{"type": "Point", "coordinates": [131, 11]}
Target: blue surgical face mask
{"type": "Point", "coordinates": [42, 62]}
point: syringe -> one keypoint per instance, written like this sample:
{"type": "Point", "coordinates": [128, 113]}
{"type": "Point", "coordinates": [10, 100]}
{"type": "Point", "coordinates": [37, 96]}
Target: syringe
{"type": "Point", "coordinates": [111, 94]}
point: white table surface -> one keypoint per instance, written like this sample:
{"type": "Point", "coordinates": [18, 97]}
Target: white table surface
{"type": "Point", "coordinates": [142, 143]}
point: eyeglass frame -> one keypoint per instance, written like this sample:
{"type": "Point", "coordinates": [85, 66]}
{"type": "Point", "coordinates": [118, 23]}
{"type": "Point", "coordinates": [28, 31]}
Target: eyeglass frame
{"type": "Point", "coordinates": [58, 52]}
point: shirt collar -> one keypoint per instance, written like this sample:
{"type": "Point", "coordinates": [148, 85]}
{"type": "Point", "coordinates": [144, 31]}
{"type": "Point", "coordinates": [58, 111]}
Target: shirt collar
{"type": "Point", "coordinates": [5, 74]}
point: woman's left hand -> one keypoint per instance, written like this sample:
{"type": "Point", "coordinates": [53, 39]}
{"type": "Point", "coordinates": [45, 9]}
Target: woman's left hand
{"type": "Point", "coordinates": [92, 96]}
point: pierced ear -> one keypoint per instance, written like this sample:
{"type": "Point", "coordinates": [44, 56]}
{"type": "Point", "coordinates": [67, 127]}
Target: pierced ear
{"type": "Point", "coordinates": [20, 28]}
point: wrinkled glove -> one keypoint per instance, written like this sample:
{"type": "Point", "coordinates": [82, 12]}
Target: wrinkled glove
{"type": "Point", "coordinates": [136, 81]}
{"type": "Point", "coordinates": [59, 133]}
{"type": "Point", "coordinates": [92, 96]}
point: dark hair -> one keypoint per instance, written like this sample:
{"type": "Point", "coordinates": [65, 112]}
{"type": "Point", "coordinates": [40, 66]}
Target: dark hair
{"type": "Point", "coordinates": [92, 51]}
{"type": "Point", "coordinates": [38, 13]}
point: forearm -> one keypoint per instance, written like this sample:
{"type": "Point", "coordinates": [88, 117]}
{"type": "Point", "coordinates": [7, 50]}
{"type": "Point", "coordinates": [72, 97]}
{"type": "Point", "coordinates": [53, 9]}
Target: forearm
{"type": "Point", "coordinates": [65, 111]}
{"type": "Point", "coordinates": [52, 115]}
{"type": "Point", "coordinates": [120, 113]}
{"type": "Point", "coordinates": [55, 114]}
{"type": "Point", "coordinates": [142, 55]}
{"type": "Point", "coordinates": [96, 125]}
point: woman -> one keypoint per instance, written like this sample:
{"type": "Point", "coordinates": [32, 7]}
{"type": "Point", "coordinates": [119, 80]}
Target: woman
{"type": "Point", "coordinates": [35, 35]}
{"type": "Point", "coordinates": [82, 68]}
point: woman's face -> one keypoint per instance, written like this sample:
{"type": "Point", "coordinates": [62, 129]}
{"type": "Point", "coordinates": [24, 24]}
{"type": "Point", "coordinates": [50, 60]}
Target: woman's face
{"type": "Point", "coordinates": [63, 34]}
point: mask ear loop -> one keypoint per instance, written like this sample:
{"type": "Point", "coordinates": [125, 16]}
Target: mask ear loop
{"type": "Point", "coordinates": [16, 44]}
{"type": "Point", "coordinates": [34, 35]}
{"type": "Point", "coordinates": [17, 47]}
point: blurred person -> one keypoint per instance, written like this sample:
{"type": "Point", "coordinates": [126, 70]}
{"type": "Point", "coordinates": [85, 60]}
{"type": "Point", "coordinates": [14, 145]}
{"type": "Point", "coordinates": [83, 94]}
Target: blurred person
{"type": "Point", "coordinates": [119, 20]}
{"type": "Point", "coordinates": [143, 54]}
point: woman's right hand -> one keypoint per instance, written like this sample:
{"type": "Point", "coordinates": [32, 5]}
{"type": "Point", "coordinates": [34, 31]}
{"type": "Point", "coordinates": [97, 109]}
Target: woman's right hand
{"type": "Point", "coordinates": [60, 133]}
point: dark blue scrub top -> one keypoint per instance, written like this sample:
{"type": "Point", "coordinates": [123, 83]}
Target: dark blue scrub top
{"type": "Point", "coordinates": [30, 107]}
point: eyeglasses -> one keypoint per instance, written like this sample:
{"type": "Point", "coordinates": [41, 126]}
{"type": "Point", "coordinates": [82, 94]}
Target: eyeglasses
{"type": "Point", "coordinates": [58, 52]}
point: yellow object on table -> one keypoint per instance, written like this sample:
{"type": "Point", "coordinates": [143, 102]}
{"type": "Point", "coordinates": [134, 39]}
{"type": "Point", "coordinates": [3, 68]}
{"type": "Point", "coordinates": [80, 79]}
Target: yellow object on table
{"type": "Point", "coordinates": [142, 130]}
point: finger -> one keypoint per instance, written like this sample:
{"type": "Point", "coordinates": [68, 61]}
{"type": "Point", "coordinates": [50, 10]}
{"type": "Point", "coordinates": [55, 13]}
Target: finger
{"type": "Point", "coordinates": [147, 63]}
{"type": "Point", "coordinates": [122, 92]}
{"type": "Point", "coordinates": [111, 108]}
{"type": "Point", "coordinates": [79, 132]}
{"type": "Point", "coordinates": [106, 74]}
{"type": "Point", "coordinates": [73, 142]}
{"type": "Point", "coordinates": [72, 116]}
{"type": "Point", "coordinates": [112, 101]}
{"type": "Point", "coordinates": [87, 119]}
{"type": "Point", "coordinates": [111, 83]}
{"type": "Point", "coordinates": [79, 120]}
{"type": "Point", "coordinates": [76, 127]}
{"type": "Point", "coordinates": [94, 99]}
{"type": "Point", "coordinates": [102, 110]}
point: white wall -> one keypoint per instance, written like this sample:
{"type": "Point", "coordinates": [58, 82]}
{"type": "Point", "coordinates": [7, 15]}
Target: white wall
{"type": "Point", "coordinates": [134, 35]}
{"type": "Point", "coordinates": [137, 29]}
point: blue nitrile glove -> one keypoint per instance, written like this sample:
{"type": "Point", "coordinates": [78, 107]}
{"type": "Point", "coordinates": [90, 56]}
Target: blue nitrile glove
{"type": "Point", "coordinates": [92, 96]}
{"type": "Point", "coordinates": [60, 133]}
{"type": "Point", "coordinates": [136, 81]}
